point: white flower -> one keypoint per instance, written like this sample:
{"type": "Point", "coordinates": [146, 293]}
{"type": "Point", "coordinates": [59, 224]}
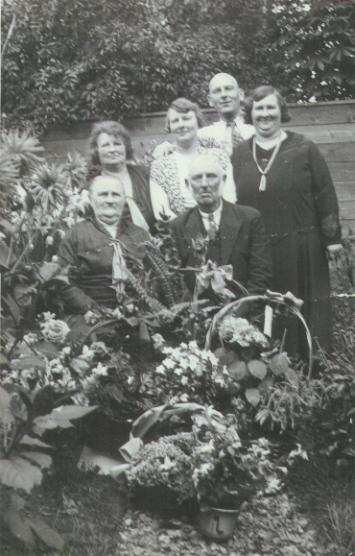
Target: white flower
{"type": "Point", "coordinates": [100, 370]}
{"type": "Point", "coordinates": [206, 448]}
{"type": "Point", "coordinates": [184, 398]}
{"type": "Point", "coordinates": [212, 358]}
{"type": "Point", "coordinates": [273, 485]}
{"type": "Point", "coordinates": [193, 362]}
{"type": "Point", "coordinates": [158, 341]}
{"type": "Point", "coordinates": [184, 364]}
{"type": "Point", "coordinates": [48, 316]}
{"type": "Point", "coordinates": [192, 346]}
{"type": "Point", "coordinates": [184, 380]}
{"type": "Point", "coordinates": [167, 465]}
{"type": "Point", "coordinates": [178, 371]}
{"type": "Point", "coordinates": [87, 353]}
{"type": "Point", "coordinates": [219, 380]}
{"type": "Point", "coordinates": [297, 453]}
{"type": "Point", "coordinates": [30, 338]}
{"type": "Point", "coordinates": [205, 469]}
{"type": "Point", "coordinates": [169, 363]}
{"type": "Point", "coordinates": [160, 370]}
{"type": "Point", "coordinates": [117, 314]}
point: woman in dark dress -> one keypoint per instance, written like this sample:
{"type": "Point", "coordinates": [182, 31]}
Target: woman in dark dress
{"type": "Point", "coordinates": [111, 154]}
{"type": "Point", "coordinates": [285, 177]}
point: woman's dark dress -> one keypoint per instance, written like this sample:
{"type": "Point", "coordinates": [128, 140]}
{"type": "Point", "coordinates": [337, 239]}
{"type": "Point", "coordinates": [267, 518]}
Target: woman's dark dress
{"type": "Point", "coordinates": [300, 212]}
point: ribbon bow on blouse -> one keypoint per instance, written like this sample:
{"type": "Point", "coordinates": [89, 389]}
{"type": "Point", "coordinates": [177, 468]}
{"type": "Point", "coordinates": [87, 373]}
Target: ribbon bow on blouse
{"type": "Point", "coordinates": [119, 270]}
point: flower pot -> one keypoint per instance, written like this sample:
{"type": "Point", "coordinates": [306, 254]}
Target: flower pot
{"type": "Point", "coordinates": [217, 523]}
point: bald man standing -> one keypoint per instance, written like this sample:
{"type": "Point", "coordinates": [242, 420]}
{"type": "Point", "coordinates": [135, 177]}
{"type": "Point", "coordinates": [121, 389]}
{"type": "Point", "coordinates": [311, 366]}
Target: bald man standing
{"type": "Point", "coordinates": [224, 95]}
{"type": "Point", "coordinates": [235, 234]}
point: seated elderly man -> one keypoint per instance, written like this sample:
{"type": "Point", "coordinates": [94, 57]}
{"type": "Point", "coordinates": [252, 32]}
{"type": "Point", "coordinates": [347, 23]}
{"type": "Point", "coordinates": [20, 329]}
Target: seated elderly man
{"type": "Point", "coordinates": [99, 250]}
{"type": "Point", "coordinates": [232, 234]}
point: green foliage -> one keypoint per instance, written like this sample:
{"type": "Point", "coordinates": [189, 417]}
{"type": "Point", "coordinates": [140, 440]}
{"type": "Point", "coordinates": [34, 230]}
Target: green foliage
{"type": "Point", "coordinates": [74, 60]}
{"type": "Point", "coordinates": [21, 457]}
{"type": "Point", "coordinates": [313, 49]}
{"type": "Point", "coordinates": [24, 457]}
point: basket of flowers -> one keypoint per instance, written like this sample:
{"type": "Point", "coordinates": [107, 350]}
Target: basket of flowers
{"type": "Point", "coordinates": [209, 466]}
{"type": "Point", "coordinates": [159, 476]}
{"type": "Point", "coordinates": [253, 359]}
{"type": "Point", "coordinates": [274, 303]}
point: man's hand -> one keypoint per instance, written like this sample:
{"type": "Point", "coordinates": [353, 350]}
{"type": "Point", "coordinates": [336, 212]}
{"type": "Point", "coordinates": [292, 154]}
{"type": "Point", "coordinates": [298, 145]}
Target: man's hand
{"type": "Point", "coordinates": [334, 250]}
{"type": "Point", "coordinates": [91, 317]}
{"type": "Point", "coordinates": [163, 149]}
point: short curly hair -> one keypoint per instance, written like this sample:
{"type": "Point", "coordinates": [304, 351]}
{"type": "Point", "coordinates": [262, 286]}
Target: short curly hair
{"type": "Point", "coordinates": [183, 105]}
{"type": "Point", "coordinates": [111, 128]}
{"type": "Point", "coordinates": [258, 94]}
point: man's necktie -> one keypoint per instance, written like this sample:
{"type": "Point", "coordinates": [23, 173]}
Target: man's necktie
{"type": "Point", "coordinates": [212, 228]}
{"type": "Point", "coordinates": [236, 135]}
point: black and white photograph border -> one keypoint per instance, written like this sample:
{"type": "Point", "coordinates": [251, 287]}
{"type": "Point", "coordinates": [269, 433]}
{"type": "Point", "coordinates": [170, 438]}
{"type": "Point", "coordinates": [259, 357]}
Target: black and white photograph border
{"type": "Point", "coordinates": [177, 277]}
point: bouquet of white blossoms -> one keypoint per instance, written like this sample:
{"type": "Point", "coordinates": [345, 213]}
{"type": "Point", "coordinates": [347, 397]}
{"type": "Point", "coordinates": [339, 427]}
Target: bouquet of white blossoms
{"type": "Point", "coordinates": [190, 374]}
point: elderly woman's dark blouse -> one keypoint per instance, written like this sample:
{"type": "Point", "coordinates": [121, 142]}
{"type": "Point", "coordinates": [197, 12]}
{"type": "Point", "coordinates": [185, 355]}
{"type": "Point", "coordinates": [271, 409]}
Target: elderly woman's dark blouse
{"type": "Point", "coordinates": [88, 250]}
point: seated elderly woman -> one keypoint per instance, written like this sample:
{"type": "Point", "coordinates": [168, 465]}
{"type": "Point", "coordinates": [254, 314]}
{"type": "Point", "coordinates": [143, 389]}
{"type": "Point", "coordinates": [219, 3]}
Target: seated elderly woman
{"type": "Point", "coordinates": [112, 155]}
{"type": "Point", "coordinates": [99, 252]}
{"type": "Point", "coordinates": [170, 192]}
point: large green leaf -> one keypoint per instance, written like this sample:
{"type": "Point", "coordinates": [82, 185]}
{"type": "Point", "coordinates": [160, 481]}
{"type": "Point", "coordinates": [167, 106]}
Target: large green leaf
{"type": "Point", "coordinates": [17, 472]}
{"type": "Point", "coordinates": [4, 256]}
{"type": "Point", "coordinates": [278, 364]}
{"type": "Point", "coordinates": [42, 460]}
{"type": "Point", "coordinates": [47, 535]}
{"type": "Point", "coordinates": [35, 442]}
{"type": "Point", "coordinates": [60, 417]}
{"type": "Point", "coordinates": [238, 370]}
{"type": "Point", "coordinates": [6, 416]}
{"type": "Point", "coordinates": [257, 368]}
{"type": "Point", "coordinates": [253, 396]}
{"type": "Point", "coordinates": [47, 271]}
{"type": "Point", "coordinates": [14, 308]}
{"type": "Point", "coordinates": [29, 362]}
{"type": "Point", "coordinates": [19, 527]}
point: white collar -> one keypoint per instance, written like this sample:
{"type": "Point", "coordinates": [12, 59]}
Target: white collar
{"type": "Point", "coordinates": [270, 143]}
{"type": "Point", "coordinates": [217, 215]}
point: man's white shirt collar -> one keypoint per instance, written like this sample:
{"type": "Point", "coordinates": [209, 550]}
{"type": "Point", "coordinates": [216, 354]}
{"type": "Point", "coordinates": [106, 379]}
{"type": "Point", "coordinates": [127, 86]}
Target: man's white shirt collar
{"type": "Point", "coordinates": [206, 218]}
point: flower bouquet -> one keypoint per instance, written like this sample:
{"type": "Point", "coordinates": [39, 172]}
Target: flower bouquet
{"type": "Point", "coordinates": [160, 474]}
{"type": "Point", "coordinates": [227, 470]}
{"type": "Point", "coordinates": [190, 374]}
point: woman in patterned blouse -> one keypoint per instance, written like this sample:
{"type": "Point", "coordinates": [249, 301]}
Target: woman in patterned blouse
{"type": "Point", "coordinates": [170, 193]}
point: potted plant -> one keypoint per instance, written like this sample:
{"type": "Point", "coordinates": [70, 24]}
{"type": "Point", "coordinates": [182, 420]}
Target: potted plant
{"type": "Point", "coordinates": [226, 472]}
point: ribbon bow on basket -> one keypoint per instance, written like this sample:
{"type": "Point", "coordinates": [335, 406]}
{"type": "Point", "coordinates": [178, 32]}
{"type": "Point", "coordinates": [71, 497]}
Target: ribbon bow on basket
{"type": "Point", "coordinates": [214, 277]}
{"type": "Point", "coordinates": [211, 276]}
{"type": "Point", "coordinates": [273, 299]}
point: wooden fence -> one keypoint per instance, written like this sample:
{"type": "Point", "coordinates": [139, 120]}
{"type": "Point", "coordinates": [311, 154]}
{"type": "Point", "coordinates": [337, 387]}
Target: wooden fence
{"type": "Point", "coordinates": [329, 124]}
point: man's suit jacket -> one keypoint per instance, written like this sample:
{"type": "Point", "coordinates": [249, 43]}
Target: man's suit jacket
{"type": "Point", "coordinates": [243, 244]}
